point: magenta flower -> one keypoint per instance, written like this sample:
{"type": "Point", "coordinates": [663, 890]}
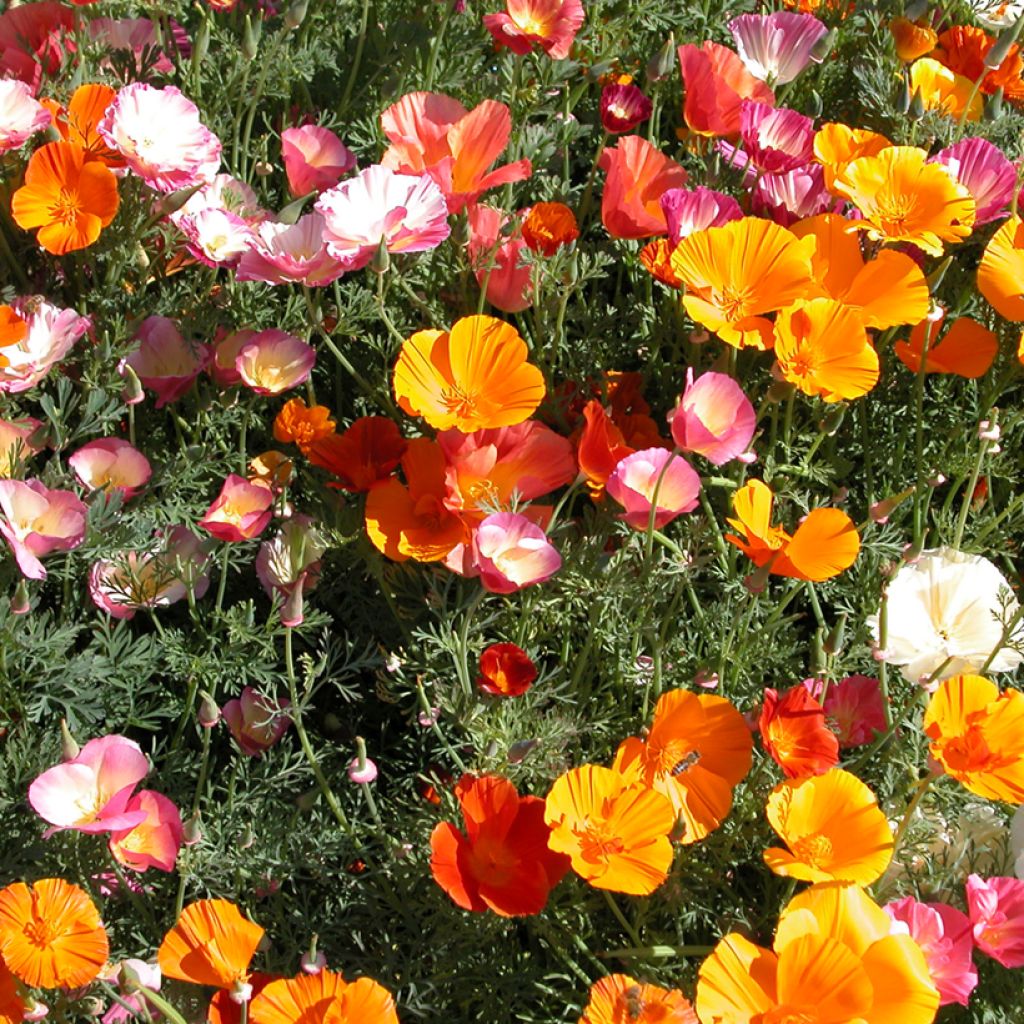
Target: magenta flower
{"type": "Point", "coordinates": [793, 195]}
{"type": "Point", "coordinates": [689, 210]}
{"type": "Point", "coordinates": [165, 362]}
{"type": "Point", "coordinates": [155, 841]}
{"type": "Point", "coordinates": [550, 24]}
{"type": "Point", "coordinates": [511, 552]}
{"type": "Point", "coordinates": [289, 565]}
{"type": "Point", "coordinates": [36, 521]}
{"type": "Point", "coordinates": [16, 444]}
{"type": "Point", "coordinates": [51, 333]}
{"type": "Point", "coordinates": [290, 254]}
{"type": "Point", "coordinates": [274, 361]}
{"type": "Point", "coordinates": [983, 170]}
{"type": "Point", "coordinates": [775, 139]}
{"type": "Point", "coordinates": [775, 48]}
{"type": "Point", "coordinates": [256, 722]}
{"type": "Point", "coordinates": [714, 418]}
{"type": "Point", "coordinates": [111, 464]}
{"type": "Point", "coordinates": [407, 213]}
{"type": "Point", "coordinates": [90, 793]}
{"type": "Point", "coordinates": [159, 134]}
{"type": "Point", "coordinates": [944, 935]}
{"type": "Point", "coordinates": [653, 476]}
{"type": "Point", "coordinates": [623, 108]}
{"type": "Point", "coordinates": [496, 258]}
{"type": "Point", "coordinates": [996, 909]}
{"type": "Point", "coordinates": [854, 708]}
{"type": "Point", "coordinates": [21, 114]}
{"type": "Point", "coordinates": [215, 237]}
{"type": "Point", "coordinates": [240, 512]}
{"type": "Point", "coordinates": [314, 159]}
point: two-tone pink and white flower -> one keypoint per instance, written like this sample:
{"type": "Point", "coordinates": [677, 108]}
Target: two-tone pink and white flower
{"type": "Point", "coordinates": [511, 552]}
{"type": "Point", "coordinates": [713, 418]}
{"type": "Point", "coordinates": [274, 361]}
{"type": "Point", "coordinates": [653, 480]}
{"type": "Point", "coordinates": [160, 135]}
{"type": "Point", "coordinates": [315, 159]}
{"type": "Point", "coordinates": [52, 332]}
{"type": "Point", "coordinates": [290, 254]}
{"type": "Point", "coordinates": [21, 114]}
{"type": "Point", "coordinates": [985, 172]}
{"type": "Point", "coordinates": [688, 210]}
{"type": "Point", "coordinates": [16, 444]}
{"type": "Point", "coordinates": [36, 521]}
{"type": "Point", "coordinates": [775, 48]}
{"type": "Point", "coordinates": [141, 38]}
{"type": "Point", "coordinates": [110, 464]}
{"type": "Point", "coordinates": [289, 565]}
{"type": "Point", "coordinates": [241, 511]}
{"type": "Point", "coordinates": [165, 362]}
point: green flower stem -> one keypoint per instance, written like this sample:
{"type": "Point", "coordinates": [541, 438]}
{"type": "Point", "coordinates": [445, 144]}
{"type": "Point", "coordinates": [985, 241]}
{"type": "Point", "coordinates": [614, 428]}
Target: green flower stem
{"type": "Point", "coordinates": [620, 917]}
{"type": "Point", "coordinates": [657, 952]}
{"type": "Point", "coordinates": [428, 711]}
{"type": "Point", "coordinates": [720, 545]}
{"type": "Point", "coordinates": [222, 584]}
{"type": "Point", "coordinates": [919, 791]}
{"type": "Point", "coordinates": [161, 1004]}
{"type": "Point", "coordinates": [965, 507]}
{"type": "Point", "coordinates": [462, 649]}
{"type": "Point", "coordinates": [364, 20]}
{"type": "Point", "coordinates": [588, 191]}
{"type": "Point", "coordinates": [919, 474]}
{"type": "Point", "coordinates": [113, 995]}
{"type": "Point", "coordinates": [883, 668]}
{"type": "Point", "coordinates": [382, 309]}
{"type": "Point", "coordinates": [435, 46]}
{"type": "Point", "coordinates": [190, 699]}
{"type": "Point", "coordinates": [1008, 631]}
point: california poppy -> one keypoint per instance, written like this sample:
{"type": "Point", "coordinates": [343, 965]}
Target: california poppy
{"type": "Point", "coordinates": [656, 257]}
{"type": "Point", "coordinates": [77, 122]}
{"type": "Point", "coordinates": [69, 199]}
{"type": "Point", "coordinates": [474, 376]}
{"type": "Point", "coordinates": [737, 273]}
{"type": "Point", "coordinates": [638, 174]}
{"type": "Point", "coordinates": [620, 999]}
{"type": "Point", "coordinates": [549, 226]}
{"type": "Point", "coordinates": [506, 670]}
{"type": "Point", "coordinates": [303, 425]}
{"type": "Point", "coordinates": [965, 49]}
{"type": "Point", "coordinates": [1001, 271]}
{"type": "Point", "coordinates": [834, 828]}
{"type": "Point", "coordinates": [51, 935]}
{"type": "Point", "coordinates": [966, 349]}
{"type": "Point", "coordinates": [211, 944]}
{"type": "Point", "coordinates": [698, 748]}
{"type": "Point", "coordinates": [13, 330]}
{"type": "Point", "coordinates": [795, 734]}
{"type": "Point", "coordinates": [823, 545]}
{"type": "Point", "coordinates": [367, 451]}
{"type": "Point", "coordinates": [715, 83]}
{"type": "Point", "coordinates": [615, 831]}
{"type": "Point", "coordinates": [12, 1006]}
{"type": "Point", "coordinates": [912, 38]}
{"type": "Point", "coordinates": [977, 734]}
{"type": "Point", "coordinates": [551, 24]}
{"type": "Point", "coordinates": [224, 1010]}
{"type": "Point", "coordinates": [502, 862]}
{"type": "Point", "coordinates": [944, 91]}
{"type": "Point", "coordinates": [823, 349]}
{"type": "Point", "coordinates": [836, 146]}
{"type": "Point", "coordinates": [322, 997]}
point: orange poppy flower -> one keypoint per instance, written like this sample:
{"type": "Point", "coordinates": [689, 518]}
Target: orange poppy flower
{"type": "Point", "coordinates": [368, 451]}
{"type": "Point", "coordinates": [823, 349]}
{"type": "Point", "coordinates": [51, 935]}
{"type": "Point", "coordinates": [715, 84]}
{"type": "Point", "coordinates": [836, 146]}
{"type": "Point", "coordinates": [637, 176]}
{"type": "Point", "coordinates": [963, 49]}
{"type": "Point", "coordinates": [824, 544]}
{"type": "Point", "coordinates": [697, 750]}
{"type": "Point", "coordinates": [303, 425]}
{"type": "Point", "coordinates": [977, 734]}
{"type": "Point", "coordinates": [943, 90]}
{"type": "Point", "coordinates": [67, 198]}
{"type": "Point", "coordinates": [912, 39]}
{"type": "Point", "coordinates": [410, 520]}
{"type": "Point", "coordinates": [906, 199]}
{"type": "Point", "coordinates": [615, 832]}
{"type": "Point", "coordinates": [736, 273]}
{"type": "Point", "coordinates": [13, 330]}
{"type": "Point", "coordinates": [472, 377]}
{"type": "Point", "coordinates": [549, 226]}
{"type": "Point", "coordinates": [620, 999]}
{"type": "Point", "coordinates": [502, 862]}
{"type": "Point", "coordinates": [834, 828]}
{"type": "Point", "coordinates": [1001, 271]}
{"type": "Point", "coordinates": [12, 1006]}
{"type": "Point", "coordinates": [967, 349]}
{"type": "Point", "coordinates": [656, 258]}
{"type": "Point", "coordinates": [601, 447]}
{"type": "Point", "coordinates": [886, 291]}
{"type": "Point", "coordinates": [321, 998]}
{"type": "Point", "coordinates": [211, 944]}
{"type": "Point", "coordinates": [77, 123]}
{"type": "Point", "coordinates": [795, 735]}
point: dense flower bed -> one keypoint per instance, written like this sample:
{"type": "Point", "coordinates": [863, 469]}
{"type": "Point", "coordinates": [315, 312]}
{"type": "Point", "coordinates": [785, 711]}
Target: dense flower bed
{"type": "Point", "coordinates": [511, 514]}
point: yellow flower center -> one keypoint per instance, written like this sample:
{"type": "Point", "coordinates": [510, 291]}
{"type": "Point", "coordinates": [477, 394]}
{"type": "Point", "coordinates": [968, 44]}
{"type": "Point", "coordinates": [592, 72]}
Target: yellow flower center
{"type": "Point", "coordinates": [733, 302]}
{"type": "Point", "coordinates": [459, 402]}
{"type": "Point", "coordinates": [789, 1015]}
{"type": "Point", "coordinates": [67, 206]}
{"type": "Point", "coordinates": [597, 843]}
{"type": "Point", "coordinates": [893, 210]}
{"type": "Point", "coordinates": [814, 850]}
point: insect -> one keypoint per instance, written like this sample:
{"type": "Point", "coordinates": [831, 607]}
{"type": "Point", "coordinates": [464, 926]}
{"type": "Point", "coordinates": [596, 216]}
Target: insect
{"type": "Point", "coordinates": [684, 763]}
{"type": "Point", "coordinates": [634, 1002]}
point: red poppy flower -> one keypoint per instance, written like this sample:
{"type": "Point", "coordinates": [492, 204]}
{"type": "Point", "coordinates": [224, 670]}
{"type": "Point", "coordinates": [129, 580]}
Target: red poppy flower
{"type": "Point", "coordinates": [795, 734]}
{"type": "Point", "coordinates": [502, 863]}
{"type": "Point", "coordinates": [506, 671]}
{"type": "Point", "coordinates": [367, 452]}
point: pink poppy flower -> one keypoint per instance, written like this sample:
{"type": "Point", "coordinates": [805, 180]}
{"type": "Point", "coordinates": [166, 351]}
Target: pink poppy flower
{"type": "Point", "coordinates": [184, 152]}
{"type": "Point", "coordinates": [497, 260]}
{"type": "Point", "coordinates": [486, 468]}
{"type": "Point", "coordinates": [314, 159]}
{"type": "Point", "coordinates": [274, 361]}
{"type": "Point", "coordinates": [90, 793]}
{"type": "Point", "coordinates": [690, 210]}
{"type": "Point", "coordinates": [510, 553]}
{"type": "Point", "coordinates": [290, 254]}
{"type": "Point", "coordinates": [550, 24]}
{"type": "Point", "coordinates": [985, 172]}
{"type": "Point", "coordinates": [217, 238]}
{"type": "Point", "coordinates": [156, 840]}
{"type": "Point", "coordinates": [714, 418]}
{"type": "Point", "coordinates": [141, 38]}
{"type": "Point", "coordinates": [21, 115]}
{"type": "Point", "coordinates": [34, 39]}
{"type": "Point", "coordinates": [111, 464]}
{"type": "Point", "coordinates": [225, 354]}
{"type": "Point", "coordinates": [404, 212]}
{"type": "Point", "coordinates": [638, 175]}
{"type": "Point", "coordinates": [775, 48]}
{"type": "Point", "coordinates": [36, 521]}
{"type": "Point", "coordinates": [51, 333]}
{"type": "Point", "coordinates": [256, 722]}
{"type": "Point", "coordinates": [854, 708]}
{"type": "Point", "coordinates": [715, 82]}
{"type": "Point", "coordinates": [793, 195]}
{"type": "Point", "coordinates": [225, 193]}
{"type": "Point", "coordinates": [289, 564]}
{"type": "Point", "coordinates": [944, 935]}
{"type": "Point", "coordinates": [434, 134]}
{"type": "Point", "coordinates": [996, 909]}
{"type": "Point", "coordinates": [142, 973]}
{"type": "Point", "coordinates": [623, 108]}
{"type": "Point", "coordinates": [774, 139]}
{"type": "Point", "coordinates": [653, 475]}
{"type": "Point", "coordinates": [16, 444]}
{"type": "Point", "coordinates": [164, 361]}
{"type": "Point", "coordinates": [240, 512]}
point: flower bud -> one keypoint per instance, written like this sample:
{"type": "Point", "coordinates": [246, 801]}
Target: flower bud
{"type": "Point", "coordinates": [994, 105]}
{"type": "Point", "coordinates": [903, 99]}
{"type": "Point", "coordinates": [69, 748]}
{"type": "Point", "coordinates": [814, 104]}
{"type": "Point", "coordinates": [381, 261]}
{"type": "Point", "coordinates": [20, 603]}
{"type": "Point", "coordinates": [663, 63]}
{"type": "Point", "coordinates": [833, 420]}
{"type": "Point", "coordinates": [916, 109]}
{"type": "Point", "coordinates": [361, 769]}
{"type": "Point", "coordinates": [313, 961]}
{"type": "Point", "coordinates": [518, 751]}
{"type": "Point", "coordinates": [133, 392]}
{"type": "Point", "coordinates": [251, 37]}
{"type": "Point", "coordinates": [296, 14]}
{"type": "Point", "coordinates": [201, 43]}
{"type": "Point", "coordinates": [1003, 44]}
{"type": "Point", "coordinates": [246, 838]}
{"type": "Point", "coordinates": [208, 713]}
{"type": "Point", "coordinates": [174, 201]}
{"type": "Point", "coordinates": [823, 47]}
{"type": "Point", "coordinates": [597, 71]}
{"type": "Point", "coordinates": [934, 279]}
{"type": "Point", "coordinates": [834, 641]}
{"type": "Point", "coordinates": [988, 431]}
{"type": "Point", "coordinates": [191, 831]}
{"type": "Point", "coordinates": [307, 801]}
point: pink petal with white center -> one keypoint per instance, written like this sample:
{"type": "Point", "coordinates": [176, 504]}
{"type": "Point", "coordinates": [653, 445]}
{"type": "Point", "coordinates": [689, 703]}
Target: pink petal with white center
{"type": "Point", "coordinates": [775, 48]}
{"type": "Point", "coordinates": [985, 172]}
{"type": "Point", "coordinates": [21, 114]}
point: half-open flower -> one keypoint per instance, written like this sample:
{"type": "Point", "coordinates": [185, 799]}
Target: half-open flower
{"type": "Point", "coordinates": [314, 159]}
{"type": "Point", "coordinates": [511, 552]}
{"type": "Point", "coordinates": [256, 722]}
{"type": "Point", "coordinates": [653, 485]}
{"type": "Point", "coordinates": [240, 512]}
{"type": "Point", "coordinates": [715, 82]}
{"type": "Point", "coordinates": [996, 908]}
{"type": "Point", "coordinates": [637, 176]}
{"type": "Point", "coordinates": [713, 418]}
{"type": "Point", "coordinates": [36, 521]}
{"type": "Point", "coordinates": [289, 565]}
{"type": "Point", "coordinates": [274, 361]}
{"type": "Point", "coordinates": [289, 253]}
{"type": "Point", "coordinates": [164, 361]}
{"type": "Point", "coordinates": [550, 24]}
{"type": "Point", "coordinates": [775, 48]}
{"type": "Point", "coordinates": [156, 840]}
{"type": "Point", "coordinates": [110, 464]}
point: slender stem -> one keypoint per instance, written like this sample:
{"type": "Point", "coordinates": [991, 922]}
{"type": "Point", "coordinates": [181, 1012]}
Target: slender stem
{"type": "Point", "coordinates": [112, 993]}
{"type": "Point", "coordinates": [919, 479]}
{"type": "Point", "coordinates": [919, 792]}
{"type": "Point", "coordinates": [965, 507]}
{"type": "Point", "coordinates": [462, 659]}
{"type": "Point", "coordinates": [656, 952]}
{"type": "Point", "coordinates": [162, 1005]}
{"type": "Point", "coordinates": [222, 585]}
{"type": "Point", "coordinates": [364, 19]}
{"type": "Point", "coordinates": [190, 697]}
{"type": "Point", "coordinates": [435, 46]}
{"type": "Point", "coordinates": [620, 917]}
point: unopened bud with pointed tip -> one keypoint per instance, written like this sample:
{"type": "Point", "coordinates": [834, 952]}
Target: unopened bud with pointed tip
{"type": "Point", "coordinates": [69, 748]}
{"type": "Point", "coordinates": [1003, 45]}
{"type": "Point", "coordinates": [251, 37]}
{"type": "Point", "coordinates": [133, 392]}
{"type": "Point", "coordinates": [192, 832]}
{"type": "Point", "coordinates": [903, 98]}
{"type": "Point", "coordinates": [994, 105]}
{"type": "Point", "coordinates": [814, 104]}
{"type": "Point", "coordinates": [663, 63]}
{"type": "Point", "coordinates": [834, 641]}
{"type": "Point", "coordinates": [208, 713]}
{"type": "Point", "coordinates": [20, 603]}
{"type": "Point", "coordinates": [296, 14]}
{"type": "Point", "coordinates": [916, 109]}
{"type": "Point", "coordinates": [381, 261]}
{"type": "Point", "coordinates": [934, 279]}
{"type": "Point", "coordinates": [823, 47]}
